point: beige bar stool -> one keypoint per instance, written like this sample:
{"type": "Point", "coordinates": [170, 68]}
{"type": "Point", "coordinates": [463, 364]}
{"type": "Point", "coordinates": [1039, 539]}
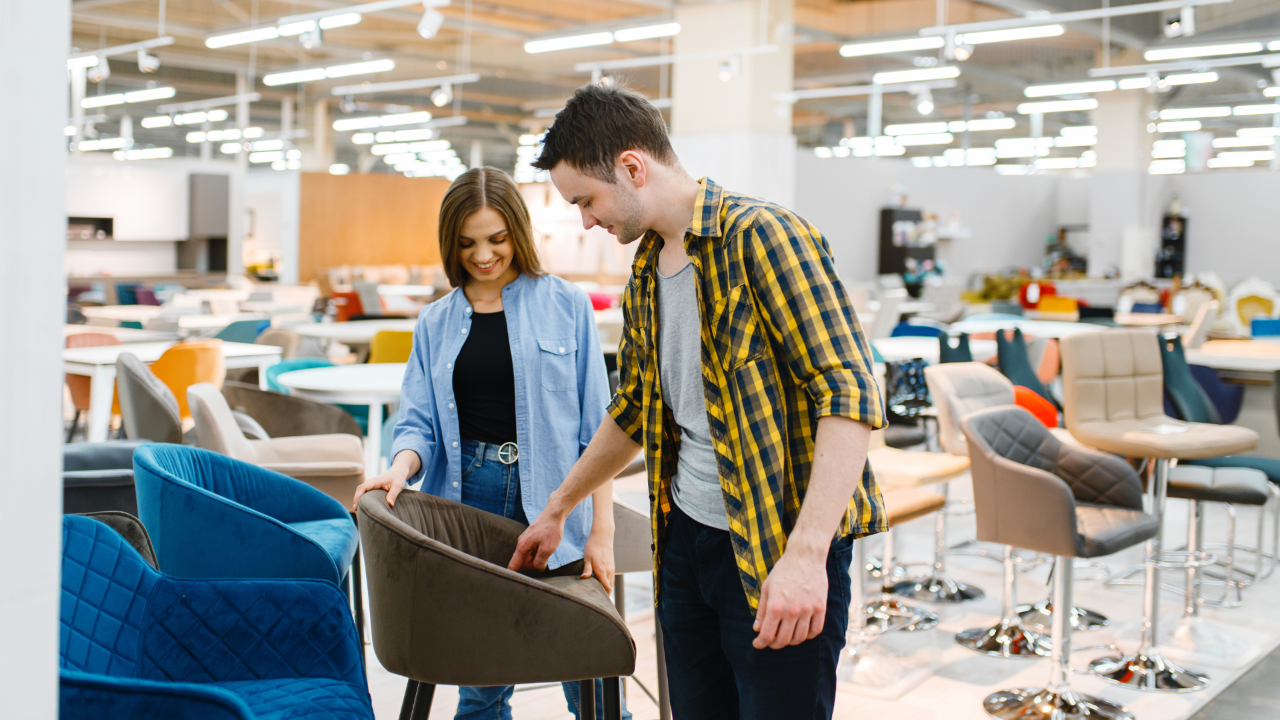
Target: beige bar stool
{"type": "Point", "coordinates": [1034, 492]}
{"type": "Point", "coordinates": [1113, 392]}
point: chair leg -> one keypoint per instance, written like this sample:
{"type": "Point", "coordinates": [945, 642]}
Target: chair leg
{"type": "Point", "coordinates": [1007, 638]}
{"type": "Point", "coordinates": [586, 700]}
{"type": "Point", "coordinates": [422, 701]}
{"type": "Point", "coordinates": [612, 699]}
{"type": "Point", "coordinates": [1191, 632]}
{"type": "Point", "coordinates": [888, 613]}
{"type": "Point", "coordinates": [664, 692]}
{"type": "Point", "coordinates": [75, 423]}
{"type": "Point", "coordinates": [406, 705]}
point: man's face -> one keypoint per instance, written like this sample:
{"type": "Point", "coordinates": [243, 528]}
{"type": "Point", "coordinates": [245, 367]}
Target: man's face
{"type": "Point", "coordinates": [616, 207]}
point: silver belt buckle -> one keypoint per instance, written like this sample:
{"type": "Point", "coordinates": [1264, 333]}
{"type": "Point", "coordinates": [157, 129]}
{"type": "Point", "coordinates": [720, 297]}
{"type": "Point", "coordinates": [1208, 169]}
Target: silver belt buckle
{"type": "Point", "coordinates": [509, 453]}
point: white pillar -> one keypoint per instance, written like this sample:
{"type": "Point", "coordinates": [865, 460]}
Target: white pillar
{"type": "Point", "coordinates": [730, 130]}
{"type": "Point", "coordinates": [477, 153]}
{"type": "Point", "coordinates": [1123, 224]}
{"type": "Point", "coordinates": [34, 42]}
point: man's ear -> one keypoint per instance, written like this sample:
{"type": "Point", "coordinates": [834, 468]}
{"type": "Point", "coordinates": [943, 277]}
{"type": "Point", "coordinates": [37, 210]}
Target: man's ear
{"type": "Point", "coordinates": [632, 166]}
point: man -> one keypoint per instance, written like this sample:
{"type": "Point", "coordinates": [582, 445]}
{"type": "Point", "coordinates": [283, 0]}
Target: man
{"type": "Point", "coordinates": [744, 375]}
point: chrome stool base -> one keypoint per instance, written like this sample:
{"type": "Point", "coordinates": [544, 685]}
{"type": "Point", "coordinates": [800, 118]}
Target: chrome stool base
{"type": "Point", "coordinates": [1006, 640]}
{"type": "Point", "coordinates": [1048, 704]}
{"type": "Point", "coordinates": [1040, 617]}
{"type": "Point", "coordinates": [888, 615]}
{"type": "Point", "coordinates": [938, 589]}
{"type": "Point", "coordinates": [1196, 635]}
{"type": "Point", "coordinates": [1147, 670]}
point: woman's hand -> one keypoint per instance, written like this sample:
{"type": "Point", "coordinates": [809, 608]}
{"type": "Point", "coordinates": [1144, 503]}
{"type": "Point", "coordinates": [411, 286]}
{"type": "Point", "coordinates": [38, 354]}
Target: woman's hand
{"type": "Point", "coordinates": [406, 465]}
{"type": "Point", "coordinates": [597, 557]}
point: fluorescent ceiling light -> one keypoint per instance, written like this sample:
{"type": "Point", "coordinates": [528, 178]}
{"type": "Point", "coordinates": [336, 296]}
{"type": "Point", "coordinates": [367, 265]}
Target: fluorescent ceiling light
{"type": "Point", "coordinates": [158, 121]}
{"type": "Point", "coordinates": [405, 135]}
{"type": "Point", "coordinates": [1025, 33]}
{"type": "Point", "coordinates": [365, 138]}
{"type": "Point", "coordinates": [253, 132]}
{"type": "Point", "coordinates": [1079, 131]}
{"type": "Point", "coordinates": [1201, 51]}
{"type": "Point", "coordinates": [1221, 162]}
{"type": "Point", "coordinates": [1253, 155]}
{"type": "Point", "coordinates": [339, 169]}
{"type": "Point", "coordinates": [430, 146]}
{"type": "Point", "coordinates": [241, 37]}
{"type": "Point", "coordinates": [102, 144]}
{"type": "Point", "coordinates": [150, 94]}
{"type": "Point", "coordinates": [984, 124]}
{"type": "Point", "coordinates": [1167, 167]}
{"type": "Point", "coordinates": [1272, 91]}
{"type": "Point", "coordinates": [143, 154]}
{"type": "Point", "coordinates": [1258, 132]}
{"type": "Point", "coordinates": [1063, 163]}
{"type": "Point", "coordinates": [1274, 45]}
{"type": "Point", "coordinates": [1178, 126]}
{"type": "Point", "coordinates": [197, 137]}
{"type": "Point", "coordinates": [333, 71]}
{"type": "Point", "coordinates": [917, 128]}
{"type": "Point", "coordinates": [375, 121]}
{"type": "Point", "coordinates": [910, 76]}
{"type": "Point", "coordinates": [922, 162]}
{"type": "Point", "coordinates": [70, 130]}
{"type": "Point", "coordinates": [262, 145]}
{"type": "Point", "coordinates": [1192, 78]}
{"type": "Point", "coordinates": [1243, 142]}
{"type": "Point", "coordinates": [568, 42]}
{"type": "Point", "coordinates": [930, 139]}
{"type": "Point", "coordinates": [1138, 83]}
{"type": "Point", "coordinates": [1188, 113]}
{"type": "Point", "coordinates": [1014, 169]}
{"type": "Point", "coordinates": [328, 23]}
{"type": "Point", "coordinates": [389, 148]}
{"type": "Point", "coordinates": [1058, 106]}
{"type": "Point", "coordinates": [230, 148]}
{"type": "Point", "coordinates": [1075, 141]}
{"type": "Point", "coordinates": [220, 135]}
{"type": "Point", "coordinates": [1255, 109]}
{"type": "Point", "coordinates": [1089, 86]}
{"type": "Point", "coordinates": [647, 32]}
{"type": "Point", "coordinates": [87, 61]}
{"type": "Point", "coordinates": [266, 157]}
{"type": "Point", "coordinates": [891, 46]}
{"type": "Point", "coordinates": [102, 100]}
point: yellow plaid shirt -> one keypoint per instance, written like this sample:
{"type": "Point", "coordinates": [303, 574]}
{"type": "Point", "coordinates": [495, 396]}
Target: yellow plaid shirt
{"type": "Point", "coordinates": [781, 347]}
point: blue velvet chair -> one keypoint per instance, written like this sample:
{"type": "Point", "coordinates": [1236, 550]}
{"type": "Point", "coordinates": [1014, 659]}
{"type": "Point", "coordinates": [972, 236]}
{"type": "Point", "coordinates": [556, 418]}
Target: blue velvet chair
{"type": "Point", "coordinates": [136, 643]}
{"type": "Point", "coordinates": [916, 330]}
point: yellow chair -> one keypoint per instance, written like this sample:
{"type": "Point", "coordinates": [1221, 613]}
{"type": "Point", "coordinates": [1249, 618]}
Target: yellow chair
{"type": "Point", "coordinates": [390, 346]}
{"type": "Point", "coordinates": [191, 363]}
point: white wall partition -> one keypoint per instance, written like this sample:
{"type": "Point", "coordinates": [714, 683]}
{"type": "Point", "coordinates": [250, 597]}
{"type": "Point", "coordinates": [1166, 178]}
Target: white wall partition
{"type": "Point", "coordinates": [33, 45]}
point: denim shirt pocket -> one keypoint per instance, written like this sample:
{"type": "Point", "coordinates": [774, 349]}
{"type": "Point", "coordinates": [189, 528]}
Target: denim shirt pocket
{"type": "Point", "coordinates": [558, 363]}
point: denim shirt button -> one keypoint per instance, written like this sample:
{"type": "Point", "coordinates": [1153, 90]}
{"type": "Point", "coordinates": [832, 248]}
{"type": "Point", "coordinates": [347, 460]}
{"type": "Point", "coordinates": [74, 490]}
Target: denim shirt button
{"type": "Point", "coordinates": [455, 444]}
{"type": "Point", "coordinates": [455, 484]}
{"type": "Point", "coordinates": [464, 331]}
{"type": "Point", "coordinates": [449, 365]}
{"type": "Point", "coordinates": [450, 406]}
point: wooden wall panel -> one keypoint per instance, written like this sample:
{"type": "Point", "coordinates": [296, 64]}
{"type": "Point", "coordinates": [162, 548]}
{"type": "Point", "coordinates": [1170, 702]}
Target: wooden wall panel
{"type": "Point", "coordinates": [368, 220]}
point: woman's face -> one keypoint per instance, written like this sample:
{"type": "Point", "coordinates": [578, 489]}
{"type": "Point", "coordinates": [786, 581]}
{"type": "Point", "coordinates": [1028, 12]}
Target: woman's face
{"type": "Point", "coordinates": [485, 248]}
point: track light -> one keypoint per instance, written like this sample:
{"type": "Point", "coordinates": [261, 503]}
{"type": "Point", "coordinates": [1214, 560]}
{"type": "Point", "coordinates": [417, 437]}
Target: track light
{"type": "Point", "coordinates": [924, 102]}
{"type": "Point", "coordinates": [442, 95]}
{"type": "Point", "coordinates": [312, 38]}
{"type": "Point", "coordinates": [430, 24]}
{"type": "Point", "coordinates": [605, 80]}
{"type": "Point", "coordinates": [1181, 25]}
{"type": "Point", "coordinates": [147, 63]}
{"type": "Point", "coordinates": [99, 72]}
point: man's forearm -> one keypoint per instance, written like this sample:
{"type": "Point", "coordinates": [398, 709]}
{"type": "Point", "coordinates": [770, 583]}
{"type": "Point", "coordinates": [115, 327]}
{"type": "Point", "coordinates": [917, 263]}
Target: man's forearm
{"type": "Point", "coordinates": [608, 453]}
{"type": "Point", "coordinates": [839, 456]}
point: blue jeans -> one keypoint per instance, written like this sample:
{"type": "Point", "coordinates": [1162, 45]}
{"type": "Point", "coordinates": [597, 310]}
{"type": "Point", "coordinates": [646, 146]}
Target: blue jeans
{"type": "Point", "coordinates": [491, 486]}
{"type": "Point", "coordinates": [713, 671]}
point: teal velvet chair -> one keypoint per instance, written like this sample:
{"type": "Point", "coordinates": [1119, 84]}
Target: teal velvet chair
{"type": "Point", "coordinates": [359, 412]}
{"type": "Point", "coordinates": [243, 331]}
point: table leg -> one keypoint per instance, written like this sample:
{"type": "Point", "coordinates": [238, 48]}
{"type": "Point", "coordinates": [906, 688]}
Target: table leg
{"type": "Point", "coordinates": [262, 371]}
{"type": "Point", "coordinates": [100, 394]}
{"type": "Point", "coordinates": [373, 440]}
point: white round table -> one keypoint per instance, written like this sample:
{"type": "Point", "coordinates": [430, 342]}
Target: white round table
{"type": "Point", "coordinates": [360, 332]}
{"type": "Point", "coordinates": [905, 348]}
{"type": "Point", "coordinates": [373, 385]}
{"type": "Point", "coordinates": [1039, 328]}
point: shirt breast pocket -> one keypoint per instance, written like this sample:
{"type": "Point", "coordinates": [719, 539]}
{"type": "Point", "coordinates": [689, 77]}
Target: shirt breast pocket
{"type": "Point", "coordinates": [737, 330]}
{"type": "Point", "coordinates": [557, 363]}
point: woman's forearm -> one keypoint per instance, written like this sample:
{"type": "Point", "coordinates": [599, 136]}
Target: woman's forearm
{"type": "Point", "coordinates": [406, 462]}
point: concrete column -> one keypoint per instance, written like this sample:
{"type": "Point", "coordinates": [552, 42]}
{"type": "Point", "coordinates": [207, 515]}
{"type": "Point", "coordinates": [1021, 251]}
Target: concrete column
{"type": "Point", "coordinates": [34, 42]}
{"type": "Point", "coordinates": [1124, 223]}
{"type": "Point", "coordinates": [723, 124]}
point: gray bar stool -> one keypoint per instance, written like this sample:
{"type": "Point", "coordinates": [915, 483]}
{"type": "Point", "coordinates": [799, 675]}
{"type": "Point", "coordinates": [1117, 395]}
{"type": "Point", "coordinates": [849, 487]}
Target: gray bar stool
{"type": "Point", "coordinates": [1033, 492]}
{"type": "Point", "coordinates": [1113, 392]}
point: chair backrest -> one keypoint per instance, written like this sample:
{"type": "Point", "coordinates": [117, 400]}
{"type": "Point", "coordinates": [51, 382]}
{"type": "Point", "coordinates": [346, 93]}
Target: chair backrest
{"type": "Point", "coordinates": [346, 305]}
{"type": "Point", "coordinates": [1198, 331]}
{"type": "Point", "coordinates": [959, 389]}
{"type": "Point", "coordinates": [284, 366]}
{"type": "Point", "coordinates": [188, 363]}
{"type": "Point", "coordinates": [887, 315]}
{"type": "Point", "coordinates": [130, 528]}
{"type": "Point", "coordinates": [1043, 410]}
{"type": "Point", "coordinates": [1057, 304]}
{"type": "Point", "coordinates": [1188, 399]}
{"type": "Point", "coordinates": [914, 330]}
{"type": "Point", "coordinates": [391, 346]}
{"type": "Point", "coordinates": [105, 583]}
{"type": "Point", "coordinates": [216, 427]}
{"type": "Point", "coordinates": [147, 405]}
{"type": "Point", "coordinates": [947, 353]}
{"type": "Point", "coordinates": [370, 301]}
{"type": "Point", "coordinates": [1111, 375]}
{"type": "Point", "coordinates": [145, 296]}
{"type": "Point", "coordinates": [243, 331]}
{"type": "Point", "coordinates": [1015, 363]}
{"type": "Point", "coordinates": [284, 415]}
{"type": "Point", "coordinates": [287, 340]}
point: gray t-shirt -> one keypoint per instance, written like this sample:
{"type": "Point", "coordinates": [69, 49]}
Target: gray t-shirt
{"type": "Point", "coordinates": [696, 485]}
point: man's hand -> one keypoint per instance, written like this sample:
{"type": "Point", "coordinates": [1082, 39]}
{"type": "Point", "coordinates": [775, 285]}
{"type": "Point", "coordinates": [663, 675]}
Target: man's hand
{"type": "Point", "coordinates": [538, 542]}
{"type": "Point", "coordinates": [793, 600]}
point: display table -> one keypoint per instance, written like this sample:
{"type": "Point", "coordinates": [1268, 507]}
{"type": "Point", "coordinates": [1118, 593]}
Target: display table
{"type": "Point", "coordinates": [373, 385]}
{"type": "Point", "coordinates": [99, 363]}
{"type": "Point", "coordinates": [123, 334]}
{"type": "Point", "coordinates": [360, 332]}
{"type": "Point", "coordinates": [894, 349]}
{"type": "Point", "coordinates": [1148, 319]}
{"type": "Point", "coordinates": [116, 314]}
{"type": "Point", "coordinates": [1038, 328]}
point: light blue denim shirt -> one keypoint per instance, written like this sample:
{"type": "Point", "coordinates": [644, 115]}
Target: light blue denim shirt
{"type": "Point", "coordinates": [561, 393]}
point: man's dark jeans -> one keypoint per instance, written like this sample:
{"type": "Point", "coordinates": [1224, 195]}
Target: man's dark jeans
{"type": "Point", "coordinates": [712, 669]}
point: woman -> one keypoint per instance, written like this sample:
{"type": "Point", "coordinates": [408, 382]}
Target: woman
{"type": "Point", "coordinates": [504, 388]}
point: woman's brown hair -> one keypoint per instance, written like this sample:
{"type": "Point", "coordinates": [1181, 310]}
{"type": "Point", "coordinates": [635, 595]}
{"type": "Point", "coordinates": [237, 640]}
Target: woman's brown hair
{"type": "Point", "coordinates": [486, 187]}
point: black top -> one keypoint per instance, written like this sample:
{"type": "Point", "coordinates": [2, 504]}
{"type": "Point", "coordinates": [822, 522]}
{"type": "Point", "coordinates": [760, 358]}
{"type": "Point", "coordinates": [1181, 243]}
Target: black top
{"type": "Point", "coordinates": [484, 383]}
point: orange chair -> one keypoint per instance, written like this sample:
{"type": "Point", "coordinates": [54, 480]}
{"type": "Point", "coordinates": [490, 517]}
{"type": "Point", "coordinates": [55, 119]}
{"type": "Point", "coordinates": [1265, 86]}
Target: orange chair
{"type": "Point", "coordinates": [347, 305]}
{"type": "Point", "coordinates": [191, 363]}
{"type": "Point", "coordinates": [390, 346]}
{"type": "Point", "coordinates": [1044, 410]}
{"type": "Point", "coordinates": [80, 385]}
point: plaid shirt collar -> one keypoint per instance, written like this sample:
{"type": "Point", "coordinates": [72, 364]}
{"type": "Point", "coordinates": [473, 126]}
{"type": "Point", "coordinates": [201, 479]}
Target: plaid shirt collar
{"type": "Point", "coordinates": [705, 223]}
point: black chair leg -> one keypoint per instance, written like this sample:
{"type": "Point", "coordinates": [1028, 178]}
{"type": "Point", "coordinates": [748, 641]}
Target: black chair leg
{"type": "Point", "coordinates": [422, 702]}
{"type": "Point", "coordinates": [612, 699]}
{"type": "Point", "coordinates": [75, 423]}
{"type": "Point", "coordinates": [586, 700]}
{"type": "Point", "coordinates": [410, 694]}
{"type": "Point", "coordinates": [357, 594]}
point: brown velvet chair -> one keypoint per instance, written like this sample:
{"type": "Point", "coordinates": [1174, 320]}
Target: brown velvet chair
{"type": "Point", "coordinates": [446, 611]}
{"type": "Point", "coordinates": [283, 415]}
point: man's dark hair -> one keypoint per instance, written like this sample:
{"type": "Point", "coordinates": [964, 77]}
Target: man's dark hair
{"type": "Point", "coordinates": [598, 124]}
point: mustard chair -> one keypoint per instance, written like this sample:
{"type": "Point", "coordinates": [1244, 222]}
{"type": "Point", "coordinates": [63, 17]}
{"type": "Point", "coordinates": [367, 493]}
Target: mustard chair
{"type": "Point", "coordinates": [390, 346]}
{"type": "Point", "coordinates": [190, 363]}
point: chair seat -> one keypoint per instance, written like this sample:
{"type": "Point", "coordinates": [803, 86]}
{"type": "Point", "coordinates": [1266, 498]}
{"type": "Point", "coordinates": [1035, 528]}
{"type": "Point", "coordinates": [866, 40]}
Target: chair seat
{"type": "Point", "coordinates": [338, 538]}
{"type": "Point", "coordinates": [1237, 485]}
{"type": "Point", "coordinates": [1106, 529]}
{"type": "Point", "coordinates": [904, 436]}
{"type": "Point", "coordinates": [907, 504]}
{"type": "Point", "coordinates": [899, 468]}
{"type": "Point", "coordinates": [1269, 466]}
{"type": "Point", "coordinates": [301, 699]}
{"type": "Point", "coordinates": [1132, 437]}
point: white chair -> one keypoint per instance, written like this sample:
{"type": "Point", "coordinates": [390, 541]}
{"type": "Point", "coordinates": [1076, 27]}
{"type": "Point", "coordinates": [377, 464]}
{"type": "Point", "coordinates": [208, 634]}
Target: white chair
{"type": "Point", "coordinates": [887, 314]}
{"type": "Point", "coordinates": [1198, 331]}
{"type": "Point", "coordinates": [1251, 297]}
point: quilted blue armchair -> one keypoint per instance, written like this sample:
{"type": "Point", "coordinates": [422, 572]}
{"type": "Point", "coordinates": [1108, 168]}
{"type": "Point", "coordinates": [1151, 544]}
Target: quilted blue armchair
{"type": "Point", "coordinates": [138, 644]}
{"type": "Point", "coordinates": [210, 516]}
